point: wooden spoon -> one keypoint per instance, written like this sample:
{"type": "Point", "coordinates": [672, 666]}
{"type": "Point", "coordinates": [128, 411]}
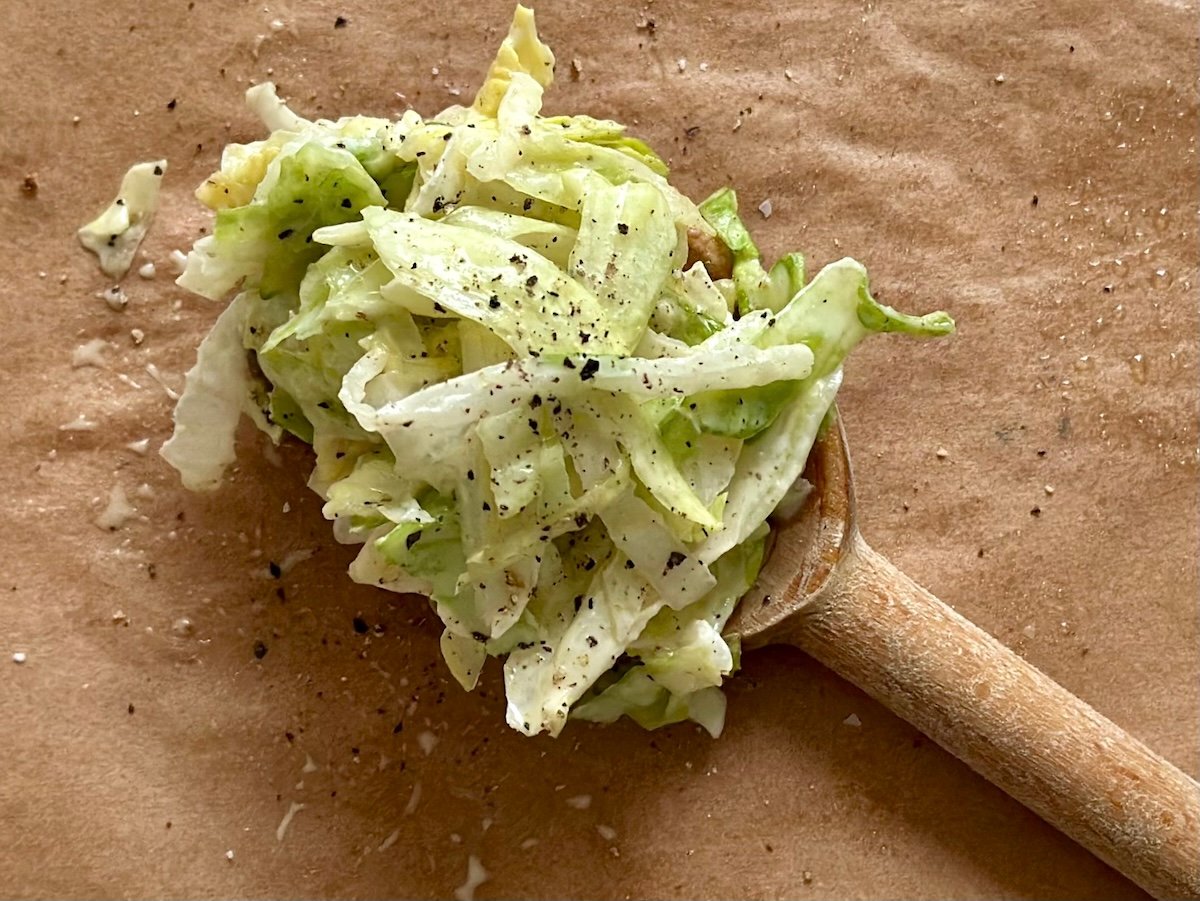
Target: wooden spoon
{"type": "Point", "coordinates": [824, 590]}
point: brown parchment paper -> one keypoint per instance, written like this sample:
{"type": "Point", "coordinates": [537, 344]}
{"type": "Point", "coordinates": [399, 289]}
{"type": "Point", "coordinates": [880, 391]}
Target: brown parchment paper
{"type": "Point", "coordinates": [1030, 167]}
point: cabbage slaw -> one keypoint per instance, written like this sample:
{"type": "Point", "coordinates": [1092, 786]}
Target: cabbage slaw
{"type": "Point", "coordinates": [524, 402]}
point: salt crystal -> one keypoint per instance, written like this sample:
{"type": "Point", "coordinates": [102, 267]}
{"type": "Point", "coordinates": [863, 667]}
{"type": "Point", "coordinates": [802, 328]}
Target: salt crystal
{"type": "Point", "coordinates": [115, 298]}
{"type": "Point", "coordinates": [19, 657]}
{"type": "Point", "coordinates": [765, 208]}
{"type": "Point", "coordinates": [704, 67]}
{"type": "Point", "coordinates": [681, 63]}
{"type": "Point", "coordinates": [608, 833]}
{"type": "Point", "coordinates": [229, 854]}
{"type": "Point", "coordinates": [178, 260]}
{"type": "Point", "coordinates": [141, 446]}
{"type": "Point", "coordinates": [1000, 78]}
{"type": "Point", "coordinates": [852, 720]}
{"type": "Point", "coordinates": [580, 802]}
{"type": "Point", "coordinates": [1049, 489]}
{"type": "Point", "coordinates": [137, 336]}
{"type": "Point", "coordinates": [147, 271]}
{"type": "Point", "coordinates": [528, 843]}
{"type": "Point", "coordinates": [942, 453]}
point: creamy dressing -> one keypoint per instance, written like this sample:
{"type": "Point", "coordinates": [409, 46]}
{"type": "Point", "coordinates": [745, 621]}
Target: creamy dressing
{"type": "Point", "coordinates": [476, 876]}
{"type": "Point", "coordinates": [89, 354]}
{"type": "Point", "coordinates": [118, 511]}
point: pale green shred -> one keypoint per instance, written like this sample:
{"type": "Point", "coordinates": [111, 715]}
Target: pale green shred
{"type": "Point", "coordinates": [524, 403]}
{"type": "Point", "coordinates": [114, 235]}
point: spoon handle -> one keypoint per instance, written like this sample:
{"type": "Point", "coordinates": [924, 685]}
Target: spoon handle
{"type": "Point", "coordinates": [1007, 720]}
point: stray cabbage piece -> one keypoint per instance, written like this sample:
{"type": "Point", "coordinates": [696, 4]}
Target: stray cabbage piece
{"type": "Point", "coordinates": [544, 388]}
{"type": "Point", "coordinates": [115, 234]}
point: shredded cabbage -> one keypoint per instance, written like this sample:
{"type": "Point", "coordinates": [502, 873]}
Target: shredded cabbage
{"type": "Point", "coordinates": [524, 404]}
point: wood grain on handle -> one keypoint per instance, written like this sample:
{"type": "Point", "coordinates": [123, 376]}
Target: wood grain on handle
{"type": "Point", "coordinates": [1007, 720]}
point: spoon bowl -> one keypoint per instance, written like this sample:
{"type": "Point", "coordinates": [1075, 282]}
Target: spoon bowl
{"type": "Point", "coordinates": [804, 550]}
{"type": "Point", "coordinates": [824, 590]}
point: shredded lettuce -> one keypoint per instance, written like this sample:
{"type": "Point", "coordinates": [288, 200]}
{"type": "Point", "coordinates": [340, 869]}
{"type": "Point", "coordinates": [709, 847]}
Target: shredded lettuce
{"type": "Point", "coordinates": [523, 403]}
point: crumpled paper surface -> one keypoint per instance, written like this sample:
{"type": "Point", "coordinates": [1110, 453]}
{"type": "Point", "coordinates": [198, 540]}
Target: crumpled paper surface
{"type": "Point", "coordinates": [184, 724]}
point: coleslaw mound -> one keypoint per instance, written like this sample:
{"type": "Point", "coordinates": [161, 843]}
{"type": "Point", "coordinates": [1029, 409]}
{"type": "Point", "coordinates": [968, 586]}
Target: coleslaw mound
{"type": "Point", "coordinates": [524, 402]}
